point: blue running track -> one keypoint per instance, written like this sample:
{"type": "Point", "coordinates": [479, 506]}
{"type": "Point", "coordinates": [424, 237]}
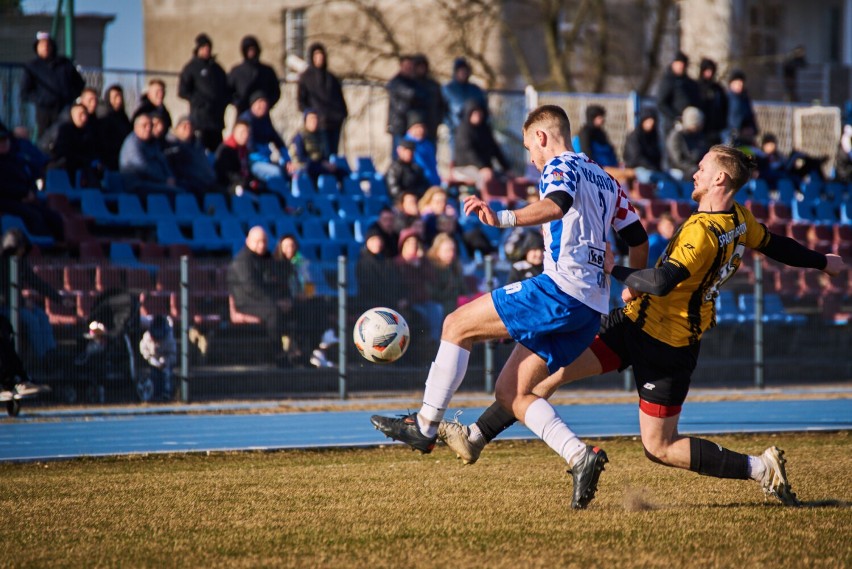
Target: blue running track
{"type": "Point", "coordinates": [73, 434]}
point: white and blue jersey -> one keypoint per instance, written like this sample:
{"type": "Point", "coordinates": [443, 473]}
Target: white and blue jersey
{"type": "Point", "coordinates": [576, 244]}
{"type": "Point", "coordinates": [557, 313]}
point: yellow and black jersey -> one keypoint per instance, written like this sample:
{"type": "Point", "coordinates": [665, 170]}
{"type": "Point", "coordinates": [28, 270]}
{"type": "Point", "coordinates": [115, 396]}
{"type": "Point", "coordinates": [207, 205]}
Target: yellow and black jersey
{"type": "Point", "coordinates": [710, 246]}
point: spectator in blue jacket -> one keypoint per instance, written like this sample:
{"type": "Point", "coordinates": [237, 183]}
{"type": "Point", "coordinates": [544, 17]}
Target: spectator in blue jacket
{"type": "Point", "coordinates": [263, 139]}
{"type": "Point", "coordinates": [741, 116]}
{"type": "Point", "coordinates": [188, 160]}
{"type": "Point", "coordinates": [456, 94]}
{"type": "Point", "coordinates": [142, 163]}
{"type": "Point", "coordinates": [594, 141]}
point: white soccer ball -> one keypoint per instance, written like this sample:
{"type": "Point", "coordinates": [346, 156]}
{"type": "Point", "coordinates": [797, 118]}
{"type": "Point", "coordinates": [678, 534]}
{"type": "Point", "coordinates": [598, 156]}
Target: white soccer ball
{"type": "Point", "coordinates": [381, 335]}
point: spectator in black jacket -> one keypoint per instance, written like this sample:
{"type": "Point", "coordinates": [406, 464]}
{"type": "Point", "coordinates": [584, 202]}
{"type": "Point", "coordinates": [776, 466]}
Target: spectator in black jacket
{"type": "Point", "coordinates": [686, 144]}
{"type": "Point", "coordinates": [533, 262]}
{"type": "Point", "coordinates": [405, 175]}
{"type": "Point", "coordinates": [76, 148]}
{"type": "Point", "coordinates": [232, 166]}
{"type": "Point", "coordinates": [152, 102]}
{"type": "Point", "coordinates": [251, 76]}
{"type": "Point", "coordinates": [677, 90]}
{"type": "Point", "coordinates": [594, 141]}
{"type": "Point", "coordinates": [114, 126]}
{"type": "Point", "coordinates": [404, 96]}
{"type": "Point", "coordinates": [18, 196]}
{"type": "Point", "coordinates": [476, 148]}
{"type": "Point", "coordinates": [320, 90]}
{"type": "Point", "coordinates": [742, 122]}
{"type": "Point", "coordinates": [379, 282]}
{"type": "Point", "coordinates": [714, 103]}
{"type": "Point", "coordinates": [434, 106]}
{"type": "Point", "coordinates": [259, 288]}
{"type": "Point", "coordinates": [50, 81]}
{"type": "Point", "coordinates": [204, 84]}
{"type": "Point", "coordinates": [642, 149]}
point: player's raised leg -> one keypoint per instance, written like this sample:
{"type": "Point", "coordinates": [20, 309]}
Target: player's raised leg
{"type": "Point", "coordinates": [664, 445]}
{"type": "Point", "coordinates": [473, 322]}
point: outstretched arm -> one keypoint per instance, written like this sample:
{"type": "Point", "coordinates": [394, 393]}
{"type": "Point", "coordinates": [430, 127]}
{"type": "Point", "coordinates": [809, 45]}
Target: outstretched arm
{"type": "Point", "coordinates": [792, 253]}
{"type": "Point", "coordinates": [658, 281]}
{"type": "Point", "coordinates": [537, 213]}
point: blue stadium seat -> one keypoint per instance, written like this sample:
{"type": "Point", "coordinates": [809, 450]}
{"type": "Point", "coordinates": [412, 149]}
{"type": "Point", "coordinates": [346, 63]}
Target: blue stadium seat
{"type": "Point", "coordinates": [803, 211]}
{"type": "Point", "coordinates": [286, 225]}
{"type": "Point", "coordinates": [340, 230]}
{"type": "Point", "coordinates": [113, 182]}
{"type": "Point", "coordinates": [160, 208]}
{"type": "Point", "coordinates": [312, 228]}
{"type": "Point", "coordinates": [14, 222]}
{"type": "Point", "coordinates": [327, 185]}
{"type": "Point", "coordinates": [168, 233]}
{"type": "Point", "coordinates": [243, 207]}
{"type": "Point", "coordinates": [216, 205]}
{"type": "Point", "coordinates": [56, 181]}
{"type": "Point", "coordinates": [727, 311]}
{"type": "Point", "coordinates": [373, 205]}
{"type": "Point", "coordinates": [835, 192]}
{"type": "Point", "coordinates": [773, 309]}
{"type": "Point", "coordinates": [378, 187]}
{"type": "Point", "coordinates": [826, 211]}
{"type": "Point", "coordinates": [269, 206]}
{"type": "Point", "coordinates": [352, 186]}
{"type": "Point", "coordinates": [309, 249]}
{"type": "Point", "coordinates": [668, 190]}
{"type": "Point", "coordinates": [359, 230]}
{"type": "Point", "coordinates": [206, 238]}
{"type": "Point", "coordinates": [130, 211]}
{"type": "Point", "coordinates": [686, 187]}
{"type": "Point", "coordinates": [330, 250]}
{"type": "Point", "coordinates": [320, 206]}
{"type": "Point", "coordinates": [812, 190]}
{"type": "Point", "coordinates": [93, 204]}
{"type": "Point", "coordinates": [786, 191]}
{"type": "Point", "coordinates": [353, 250]}
{"type": "Point", "coordinates": [121, 253]}
{"type": "Point", "coordinates": [365, 169]}
{"type": "Point", "coordinates": [846, 211]}
{"type": "Point", "coordinates": [340, 163]}
{"type": "Point", "coordinates": [759, 190]}
{"type": "Point", "coordinates": [742, 195]}
{"type": "Point", "coordinates": [348, 207]}
{"type": "Point", "coordinates": [232, 231]}
{"type": "Point", "coordinates": [186, 208]}
{"type": "Point", "coordinates": [302, 186]}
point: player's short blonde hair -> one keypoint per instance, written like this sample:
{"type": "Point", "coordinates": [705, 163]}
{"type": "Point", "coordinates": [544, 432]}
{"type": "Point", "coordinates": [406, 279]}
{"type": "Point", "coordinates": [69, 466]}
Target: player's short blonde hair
{"type": "Point", "coordinates": [550, 118]}
{"type": "Point", "coordinates": [735, 163]}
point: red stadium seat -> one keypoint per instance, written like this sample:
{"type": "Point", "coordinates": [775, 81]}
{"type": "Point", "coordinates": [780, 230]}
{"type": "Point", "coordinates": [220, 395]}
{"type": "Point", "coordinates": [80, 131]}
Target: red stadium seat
{"type": "Point", "coordinates": [108, 277]}
{"type": "Point", "coordinates": [155, 303]}
{"type": "Point", "coordinates": [79, 279]}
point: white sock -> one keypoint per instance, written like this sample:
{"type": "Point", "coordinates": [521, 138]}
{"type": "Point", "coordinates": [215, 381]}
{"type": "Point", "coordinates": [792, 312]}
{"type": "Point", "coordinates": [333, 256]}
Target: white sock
{"type": "Point", "coordinates": [475, 435]}
{"type": "Point", "coordinates": [445, 377]}
{"type": "Point", "coordinates": [541, 418]}
{"type": "Point", "coordinates": [756, 468]}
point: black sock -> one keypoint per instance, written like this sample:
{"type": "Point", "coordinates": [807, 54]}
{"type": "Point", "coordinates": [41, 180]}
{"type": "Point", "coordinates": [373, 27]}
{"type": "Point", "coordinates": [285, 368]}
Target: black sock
{"type": "Point", "coordinates": [494, 421]}
{"type": "Point", "coordinates": [710, 459]}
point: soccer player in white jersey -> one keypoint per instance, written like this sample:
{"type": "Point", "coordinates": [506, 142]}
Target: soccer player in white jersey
{"type": "Point", "coordinates": [553, 317]}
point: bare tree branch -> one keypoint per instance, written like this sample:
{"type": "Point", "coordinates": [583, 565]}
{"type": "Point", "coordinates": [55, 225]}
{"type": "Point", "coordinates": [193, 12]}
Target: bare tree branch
{"type": "Point", "coordinates": [652, 63]}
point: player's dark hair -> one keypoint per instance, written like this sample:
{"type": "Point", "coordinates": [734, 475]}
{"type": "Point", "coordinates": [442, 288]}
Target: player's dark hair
{"type": "Point", "coordinates": [735, 163]}
{"type": "Point", "coordinates": [550, 117]}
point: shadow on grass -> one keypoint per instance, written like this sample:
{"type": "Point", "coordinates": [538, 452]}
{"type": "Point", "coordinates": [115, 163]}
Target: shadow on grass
{"type": "Point", "coordinates": [774, 504]}
{"type": "Point", "coordinates": [827, 504]}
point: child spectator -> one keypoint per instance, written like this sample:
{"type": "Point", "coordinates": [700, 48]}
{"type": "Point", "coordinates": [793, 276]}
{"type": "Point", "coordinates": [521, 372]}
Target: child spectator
{"type": "Point", "coordinates": [159, 349]}
{"type": "Point", "coordinates": [533, 262]}
{"type": "Point", "coordinates": [659, 240]}
{"type": "Point", "coordinates": [425, 154]}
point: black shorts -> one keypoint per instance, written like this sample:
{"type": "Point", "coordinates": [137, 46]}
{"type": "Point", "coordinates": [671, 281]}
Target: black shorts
{"type": "Point", "coordinates": [662, 372]}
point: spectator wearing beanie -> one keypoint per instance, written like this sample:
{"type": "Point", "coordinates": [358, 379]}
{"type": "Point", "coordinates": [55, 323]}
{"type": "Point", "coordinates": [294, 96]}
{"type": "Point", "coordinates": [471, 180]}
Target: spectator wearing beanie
{"type": "Point", "coordinates": [204, 84]}
{"type": "Point", "coordinates": [252, 76]}
{"type": "Point", "coordinates": [320, 90]}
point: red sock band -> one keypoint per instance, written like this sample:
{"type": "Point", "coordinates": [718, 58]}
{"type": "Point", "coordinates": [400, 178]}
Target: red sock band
{"type": "Point", "coordinates": [609, 359]}
{"type": "Point", "coordinates": [659, 411]}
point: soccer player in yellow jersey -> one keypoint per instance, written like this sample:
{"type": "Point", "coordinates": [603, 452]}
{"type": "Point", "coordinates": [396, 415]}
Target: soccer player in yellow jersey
{"type": "Point", "coordinates": [659, 332]}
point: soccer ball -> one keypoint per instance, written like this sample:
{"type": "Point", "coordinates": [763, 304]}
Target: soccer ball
{"type": "Point", "coordinates": [381, 335]}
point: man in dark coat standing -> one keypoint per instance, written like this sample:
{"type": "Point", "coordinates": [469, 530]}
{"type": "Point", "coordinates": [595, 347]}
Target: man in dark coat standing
{"type": "Point", "coordinates": [714, 103]}
{"type": "Point", "coordinates": [50, 81]}
{"type": "Point", "coordinates": [321, 91]}
{"type": "Point", "coordinates": [204, 84]}
{"type": "Point", "coordinates": [404, 96]}
{"type": "Point", "coordinates": [252, 76]}
{"type": "Point", "coordinates": [677, 90]}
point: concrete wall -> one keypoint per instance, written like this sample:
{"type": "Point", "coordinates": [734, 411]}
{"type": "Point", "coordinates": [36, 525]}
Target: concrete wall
{"type": "Point", "coordinates": [17, 35]}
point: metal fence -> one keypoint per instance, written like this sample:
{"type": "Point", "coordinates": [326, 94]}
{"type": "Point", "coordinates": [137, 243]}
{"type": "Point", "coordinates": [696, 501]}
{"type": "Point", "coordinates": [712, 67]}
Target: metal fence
{"type": "Point", "coordinates": [222, 355]}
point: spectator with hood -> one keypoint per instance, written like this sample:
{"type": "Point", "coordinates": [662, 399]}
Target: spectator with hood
{"type": "Point", "coordinates": [51, 81]}
{"type": "Point", "coordinates": [204, 84]}
{"type": "Point", "coordinates": [677, 90]}
{"type": "Point", "coordinates": [404, 96]}
{"type": "Point", "coordinates": [642, 149]}
{"type": "Point", "coordinates": [457, 93]}
{"type": "Point", "coordinates": [714, 103]}
{"type": "Point", "coordinates": [252, 76]}
{"type": "Point", "coordinates": [476, 148]}
{"type": "Point", "coordinates": [741, 118]}
{"type": "Point", "coordinates": [594, 141]}
{"type": "Point", "coordinates": [114, 126]}
{"type": "Point", "coordinates": [320, 90]}
{"type": "Point", "coordinates": [434, 106]}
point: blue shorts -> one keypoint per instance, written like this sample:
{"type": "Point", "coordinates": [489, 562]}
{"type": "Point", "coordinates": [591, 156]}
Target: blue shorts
{"type": "Point", "coordinates": [545, 320]}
